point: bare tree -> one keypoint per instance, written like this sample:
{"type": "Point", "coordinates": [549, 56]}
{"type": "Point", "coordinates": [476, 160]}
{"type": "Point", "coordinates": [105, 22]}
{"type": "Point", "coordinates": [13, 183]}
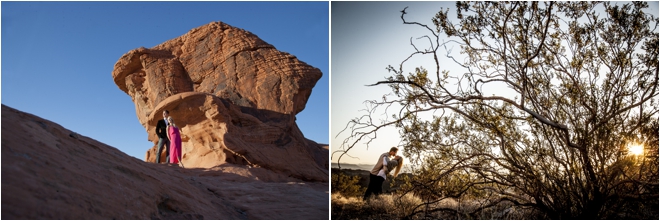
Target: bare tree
{"type": "Point", "coordinates": [585, 78]}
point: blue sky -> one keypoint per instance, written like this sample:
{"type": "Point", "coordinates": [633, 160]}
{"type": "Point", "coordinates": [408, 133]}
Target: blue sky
{"type": "Point", "coordinates": [57, 57]}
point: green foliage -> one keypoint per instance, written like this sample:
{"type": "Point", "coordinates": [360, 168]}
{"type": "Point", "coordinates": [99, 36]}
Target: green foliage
{"type": "Point", "coordinates": [585, 81]}
{"type": "Point", "coordinates": [348, 186]}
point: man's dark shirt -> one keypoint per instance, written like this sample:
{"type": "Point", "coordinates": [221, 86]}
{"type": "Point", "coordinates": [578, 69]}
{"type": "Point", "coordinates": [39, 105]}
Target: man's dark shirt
{"type": "Point", "coordinates": [161, 129]}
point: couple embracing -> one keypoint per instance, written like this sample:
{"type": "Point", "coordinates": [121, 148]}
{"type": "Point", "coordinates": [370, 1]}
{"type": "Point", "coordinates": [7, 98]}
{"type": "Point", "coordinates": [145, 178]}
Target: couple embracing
{"type": "Point", "coordinates": [386, 162]}
{"type": "Point", "coordinates": [169, 136]}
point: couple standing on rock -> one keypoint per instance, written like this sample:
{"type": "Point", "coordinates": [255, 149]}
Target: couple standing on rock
{"type": "Point", "coordinates": [169, 136]}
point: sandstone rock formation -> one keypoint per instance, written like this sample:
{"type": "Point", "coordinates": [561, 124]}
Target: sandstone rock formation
{"type": "Point", "coordinates": [234, 96]}
{"type": "Point", "coordinates": [49, 172]}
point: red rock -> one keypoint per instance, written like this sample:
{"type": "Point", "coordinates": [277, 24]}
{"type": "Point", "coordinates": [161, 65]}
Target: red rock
{"type": "Point", "coordinates": [49, 172]}
{"type": "Point", "coordinates": [234, 96]}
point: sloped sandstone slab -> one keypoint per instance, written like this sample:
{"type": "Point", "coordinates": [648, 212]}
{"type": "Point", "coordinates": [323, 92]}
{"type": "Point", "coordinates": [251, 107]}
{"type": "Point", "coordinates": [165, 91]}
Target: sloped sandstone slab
{"type": "Point", "coordinates": [49, 172]}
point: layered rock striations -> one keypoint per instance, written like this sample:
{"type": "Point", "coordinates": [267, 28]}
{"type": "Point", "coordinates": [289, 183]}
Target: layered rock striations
{"type": "Point", "coordinates": [234, 96]}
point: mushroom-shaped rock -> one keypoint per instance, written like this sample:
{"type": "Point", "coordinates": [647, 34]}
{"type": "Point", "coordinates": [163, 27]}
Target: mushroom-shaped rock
{"type": "Point", "coordinates": [233, 95]}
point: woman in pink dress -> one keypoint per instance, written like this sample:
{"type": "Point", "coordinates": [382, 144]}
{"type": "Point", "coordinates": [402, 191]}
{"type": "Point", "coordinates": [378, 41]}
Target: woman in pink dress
{"type": "Point", "coordinates": [174, 135]}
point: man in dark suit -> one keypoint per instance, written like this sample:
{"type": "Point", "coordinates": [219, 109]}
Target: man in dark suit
{"type": "Point", "coordinates": [161, 131]}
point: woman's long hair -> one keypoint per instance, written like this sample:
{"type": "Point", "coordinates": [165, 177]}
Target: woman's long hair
{"type": "Point", "coordinates": [398, 166]}
{"type": "Point", "coordinates": [171, 121]}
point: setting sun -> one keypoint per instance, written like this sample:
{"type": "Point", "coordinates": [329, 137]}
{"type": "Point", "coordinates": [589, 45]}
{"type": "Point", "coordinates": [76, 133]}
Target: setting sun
{"type": "Point", "coordinates": [635, 149]}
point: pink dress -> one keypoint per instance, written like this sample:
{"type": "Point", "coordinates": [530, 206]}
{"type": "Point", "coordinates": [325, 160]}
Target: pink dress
{"type": "Point", "coordinates": [175, 144]}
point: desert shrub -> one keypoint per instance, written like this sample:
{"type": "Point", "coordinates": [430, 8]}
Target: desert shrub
{"type": "Point", "coordinates": [381, 207]}
{"type": "Point", "coordinates": [384, 206]}
{"type": "Point", "coordinates": [347, 185]}
{"type": "Point", "coordinates": [585, 80]}
{"type": "Point", "coordinates": [347, 207]}
{"type": "Point", "coordinates": [403, 205]}
{"type": "Point", "coordinates": [406, 206]}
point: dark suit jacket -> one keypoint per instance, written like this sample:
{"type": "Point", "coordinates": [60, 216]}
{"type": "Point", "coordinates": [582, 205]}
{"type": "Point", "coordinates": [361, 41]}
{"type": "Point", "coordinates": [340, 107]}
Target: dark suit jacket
{"type": "Point", "coordinates": [161, 129]}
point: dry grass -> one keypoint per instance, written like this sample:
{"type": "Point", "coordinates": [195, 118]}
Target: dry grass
{"type": "Point", "coordinates": [388, 206]}
{"type": "Point", "coordinates": [384, 206]}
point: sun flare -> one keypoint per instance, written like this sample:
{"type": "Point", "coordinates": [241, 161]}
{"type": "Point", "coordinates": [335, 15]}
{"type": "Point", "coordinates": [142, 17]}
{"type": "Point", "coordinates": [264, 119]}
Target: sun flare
{"type": "Point", "coordinates": [635, 149]}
